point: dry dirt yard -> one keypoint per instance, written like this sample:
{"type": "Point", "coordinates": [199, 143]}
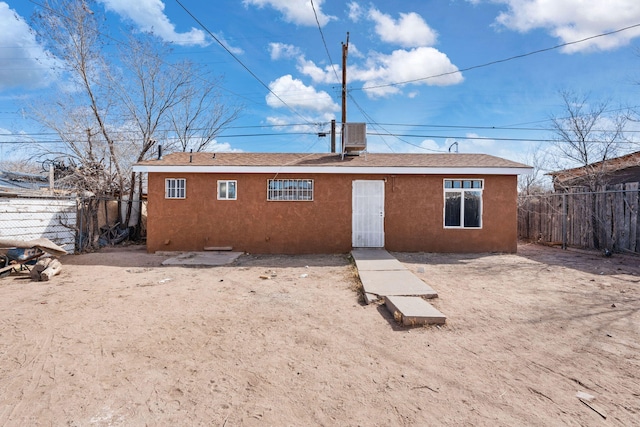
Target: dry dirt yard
{"type": "Point", "coordinates": [118, 340]}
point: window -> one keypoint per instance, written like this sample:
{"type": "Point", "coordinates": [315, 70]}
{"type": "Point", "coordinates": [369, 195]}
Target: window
{"type": "Point", "coordinates": [463, 203]}
{"type": "Point", "coordinates": [227, 190]}
{"type": "Point", "coordinates": [290, 189]}
{"type": "Point", "coordinates": [175, 188]}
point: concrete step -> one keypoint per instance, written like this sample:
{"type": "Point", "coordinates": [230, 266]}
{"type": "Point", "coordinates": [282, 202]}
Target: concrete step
{"type": "Point", "coordinates": [413, 311]}
{"type": "Point", "coordinates": [396, 282]}
{"type": "Point", "coordinates": [375, 260]}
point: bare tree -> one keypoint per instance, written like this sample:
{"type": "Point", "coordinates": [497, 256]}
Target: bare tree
{"type": "Point", "coordinates": [198, 120]}
{"type": "Point", "coordinates": [117, 107]}
{"type": "Point", "coordinates": [536, 182]}
{"type": "Point", "coordinates": [586, 137]}
{"type": "Point", "coordinates": [72, 35]}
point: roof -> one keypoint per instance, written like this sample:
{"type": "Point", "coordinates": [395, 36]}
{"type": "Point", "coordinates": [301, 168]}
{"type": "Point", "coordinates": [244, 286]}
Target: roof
{"type": "Point", "coordinates": [333, 163]}
{"type": "Point", "coordinates": [18, 181]}
{"type": "Point", "coordinates": [603, 167]}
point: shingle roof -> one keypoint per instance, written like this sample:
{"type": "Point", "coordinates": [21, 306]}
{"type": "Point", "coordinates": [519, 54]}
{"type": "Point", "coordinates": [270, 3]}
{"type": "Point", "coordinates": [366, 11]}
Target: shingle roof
{"type": "Point", "coordinates": [607, 166]}
{"type": "Point", "coordinates": [376, 160]}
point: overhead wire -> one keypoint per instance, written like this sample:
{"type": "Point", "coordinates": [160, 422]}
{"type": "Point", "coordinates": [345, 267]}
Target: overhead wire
{"type": "Point", "coordinates": [397, 135]}
{"type": "Point", "coordinates": [392, 134]}
{"type": "Point", "coordinates": [234, 56]}
{"type": "Point", "coordinates": [498, 61]}
{"type": "Point", "coordinates": [324, 42]}
{"type": "Point", "coordinates": [126, 44]}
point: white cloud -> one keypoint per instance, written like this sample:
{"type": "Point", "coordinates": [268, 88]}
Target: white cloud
{"type": "Point", "coordinates": [355, 11]}
{"type": "Point", "coordinates": [299, 96]}
{"type": "Point", "coordinates": [23, 62]}
{"type": "Point", "coordinates": [406, 66]}
{"type": "Point", "coordinates": [410, 30]}
{"type": "Point", "coordinates": [225, 42]}
{"type": "Point", "coordinates": [298, 12]}
{"type": "Point", "coordinates": [149, 15]}
{"type": "Point", "coordinates": [222, 147]}
{"type": "Point", "coordinates": [354, 52]}
{"type": "Point", "coordinates": [379, 71]}
{"type": "Point", "coordinates": [283, 51]}
{"type": "Point", "coordinates": [571, 20]}
{"type": "Point", "coordinates": [317, 74]}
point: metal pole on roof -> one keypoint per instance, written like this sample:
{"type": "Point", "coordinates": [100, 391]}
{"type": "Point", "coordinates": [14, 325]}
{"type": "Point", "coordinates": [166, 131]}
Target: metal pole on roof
{"type": "Point", "coordinates": [333, 136]}
{"type": "Point", "coordinates": [345, 51]}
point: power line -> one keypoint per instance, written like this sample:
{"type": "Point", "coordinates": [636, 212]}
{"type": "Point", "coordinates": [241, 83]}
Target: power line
{"type": "Point", "coordinates": [126, 44]}
{"type": "Point", "coordinates": [242, 63]}
{"type": "Point", "coordinates": [324, 42]}
{"type": "Point", "coordinates": [487, 138]}
{"type": "Point", "coordinates": [246, 135]}
{"type": "Point", "coordinates": [380, 134]}
{"type": "Point", "coordinates": [498, 61]}
{"type": "Point", "coordinates": [369, 119]}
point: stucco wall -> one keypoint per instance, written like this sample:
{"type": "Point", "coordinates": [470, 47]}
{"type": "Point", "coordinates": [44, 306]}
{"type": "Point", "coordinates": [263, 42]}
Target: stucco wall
{"type": "Point", "coordinates": [413, 216]}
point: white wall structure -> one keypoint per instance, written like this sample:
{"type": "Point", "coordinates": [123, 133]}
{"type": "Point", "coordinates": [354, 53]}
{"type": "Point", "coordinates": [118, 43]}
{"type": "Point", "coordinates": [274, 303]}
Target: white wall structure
{"type": "Point", "coordinates": [28, 218]}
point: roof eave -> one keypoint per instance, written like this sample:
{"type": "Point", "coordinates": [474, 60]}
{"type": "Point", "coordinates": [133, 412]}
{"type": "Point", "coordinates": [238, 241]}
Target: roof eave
{"type": "Point", "coordinates": [341, 170]}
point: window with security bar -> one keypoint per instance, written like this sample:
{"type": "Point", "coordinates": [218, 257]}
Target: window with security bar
{"type": "Point", "coordinates": [175, 188]}
{"type": "Point", "coordinates": [292, 190]}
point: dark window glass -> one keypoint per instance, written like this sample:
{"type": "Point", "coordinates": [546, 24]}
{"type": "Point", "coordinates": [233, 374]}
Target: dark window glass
{"type": "Point", "coordinates": [452, 207]}
{"type": "Point", "coordinates": [472, 208]}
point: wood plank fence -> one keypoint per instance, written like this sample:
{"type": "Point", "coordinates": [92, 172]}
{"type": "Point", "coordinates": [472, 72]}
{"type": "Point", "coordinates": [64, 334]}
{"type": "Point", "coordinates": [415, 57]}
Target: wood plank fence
{"type": "Point", "coordinates": [602, 219]}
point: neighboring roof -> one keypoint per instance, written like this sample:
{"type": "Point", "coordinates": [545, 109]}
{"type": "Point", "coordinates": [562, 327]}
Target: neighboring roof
{"type": "Point", "coordinates": [18, 181]}
{"type": "Point", "coordinates": [629, 163]}
{"type": "Point", "coordinates": [334, 163]}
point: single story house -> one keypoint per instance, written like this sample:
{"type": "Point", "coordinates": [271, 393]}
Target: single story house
{"type": "Point", "coordinates": [329, 203]}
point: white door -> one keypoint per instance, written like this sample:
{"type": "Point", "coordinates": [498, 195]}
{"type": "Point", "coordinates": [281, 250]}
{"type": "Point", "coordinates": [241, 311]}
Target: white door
{"type": "Point", "coordinates": [367, 217]}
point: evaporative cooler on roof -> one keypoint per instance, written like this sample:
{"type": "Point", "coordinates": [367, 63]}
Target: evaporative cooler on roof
{"type": "Point", "coordinates": [355, 137]}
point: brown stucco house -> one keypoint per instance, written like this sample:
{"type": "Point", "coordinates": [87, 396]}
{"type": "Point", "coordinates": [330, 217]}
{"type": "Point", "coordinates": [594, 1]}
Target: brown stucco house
{"type": "Point", "coordinates": [329, 203]}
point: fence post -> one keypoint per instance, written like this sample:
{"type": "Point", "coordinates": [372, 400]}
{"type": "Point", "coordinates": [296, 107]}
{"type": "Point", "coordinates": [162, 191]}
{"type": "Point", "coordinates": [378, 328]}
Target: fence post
{"type": "Point", "coordinates": [564, 221]}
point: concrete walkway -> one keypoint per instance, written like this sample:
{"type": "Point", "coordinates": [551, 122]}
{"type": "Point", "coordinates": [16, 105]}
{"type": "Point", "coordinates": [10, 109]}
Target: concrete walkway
{"type": "Point", "coordinates": [383, 276]}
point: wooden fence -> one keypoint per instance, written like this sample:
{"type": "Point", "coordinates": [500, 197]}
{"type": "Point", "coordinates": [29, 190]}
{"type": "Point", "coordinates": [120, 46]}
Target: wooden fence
{"type": "Point", "coordinates": [603, 219]}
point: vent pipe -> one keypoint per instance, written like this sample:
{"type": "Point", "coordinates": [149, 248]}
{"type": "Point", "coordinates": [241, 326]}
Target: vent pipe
{"type": "Point", "coordinates": [159, 151]}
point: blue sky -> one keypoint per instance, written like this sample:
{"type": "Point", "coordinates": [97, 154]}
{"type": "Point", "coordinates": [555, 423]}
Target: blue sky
{"type": "Point", "coordinates": [501, 109]}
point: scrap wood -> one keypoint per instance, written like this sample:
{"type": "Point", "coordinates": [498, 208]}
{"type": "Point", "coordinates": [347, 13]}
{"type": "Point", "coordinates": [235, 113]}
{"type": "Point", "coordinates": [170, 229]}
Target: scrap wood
{"type": "Point", "coordinates": [38, 268]}
{"type": "Point", "coordinates": [45, 269]}
{"type": "Point", "coordinates": [587, 400]}
{"type": "Point", "coordinates": [45, 245]}
{"type": "Point", "coordinates": [54, 268]}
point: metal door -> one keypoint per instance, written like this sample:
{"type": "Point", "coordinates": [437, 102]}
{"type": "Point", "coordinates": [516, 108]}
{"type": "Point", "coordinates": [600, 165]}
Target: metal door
{"type": "Point", "coordinates": [367, 217]}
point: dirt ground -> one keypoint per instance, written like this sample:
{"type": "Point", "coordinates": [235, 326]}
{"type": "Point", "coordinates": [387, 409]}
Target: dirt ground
{"type": "Point", "coordinates": [118, 340]}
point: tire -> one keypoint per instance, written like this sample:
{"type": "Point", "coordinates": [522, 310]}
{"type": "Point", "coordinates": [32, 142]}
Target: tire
{"type": "Point", "coordinates": [4, 262]}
